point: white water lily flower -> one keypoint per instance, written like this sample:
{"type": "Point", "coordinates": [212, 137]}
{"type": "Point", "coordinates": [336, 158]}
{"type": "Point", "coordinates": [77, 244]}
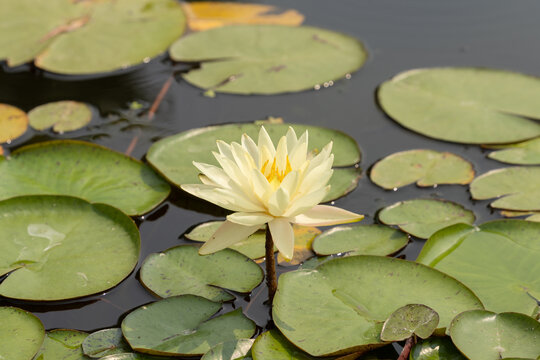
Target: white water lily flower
{"type": "Point", "coordinates": [265, 185]}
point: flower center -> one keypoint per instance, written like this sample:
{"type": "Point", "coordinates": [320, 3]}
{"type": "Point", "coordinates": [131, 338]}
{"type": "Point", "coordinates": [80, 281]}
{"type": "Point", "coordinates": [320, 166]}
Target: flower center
{"type": "Point", "coordinates": [274, 175]}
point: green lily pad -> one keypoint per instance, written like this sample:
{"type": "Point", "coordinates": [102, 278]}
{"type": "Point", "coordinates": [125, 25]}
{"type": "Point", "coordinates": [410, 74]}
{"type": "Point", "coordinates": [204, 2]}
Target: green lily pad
{"type": "Point", "coordinates": [85, 37]}
{"type": "Point", "coordinates": [435, 348]}
{"type": "Point", "coordinates": [61, 115]}
{"type": "Point", "coordinates": [272, 345]}
{"type": "Point", "coordinates": [342, 182]}
{"type": "Point", "coordinates": [484, 335]}
{"type": "Point", "coordinates": [352, 296]}
{"type": "Point", "coordinates": [21, 334]}
{"type": "Point", "coordinates": [267, 59]}
{"type": "Point", "coordinates": [230, 350]}
{"type": "Point", "coordinates": [523, 153]}
{"type": "Point", "coordinates": [84, 170]}
{"type": "Point", "coordinates": [181, 270]}
{"type": "Point", "coordinates": [425, 167]}
{"type": "Point", "coordinates": [515, 187]}
{"type": "Point", "coordinates": [58, 247]}
{"type": "Point", "coordinates": [135, 356]}
{"type": "Point", "coordinates": [465, 105]}
{"type": "Point", "coordinates": [530, 215]}
{"type": "Point", "coordinates": [409, 320]}
{"type": "Point", "coordinates": [423, 217]}
{"type": "Point", "coordinates": [105, 342]}
{"type": "Point", "coordinates": [182, 326]}
{"type": "Point", "coordinates": [360, 240]}
{"type": "Point", "coordinates": [13, 123]}
{"type": "Point", "coordinates": [497, 260]}
{"type": "Point", "coordinates": [62, 344]}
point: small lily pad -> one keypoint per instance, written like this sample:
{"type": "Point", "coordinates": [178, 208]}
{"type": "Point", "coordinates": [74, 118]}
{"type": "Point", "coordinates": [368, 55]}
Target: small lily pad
{"type": "Point", "coordinates": [230, 350]}
{"type": "Point", "coordinates": [105, 342]}
{"type": "Point", "coordinates": [423, 217]}
{"type": "Point", "coordinates": [267, 59]}
{"type": "Point", "coordinates": [21, 334]}
{"type": "Point", "coordinates": [13, 123]}
{"type": "Point", "coordinates": [62, 344]}
{"type": "Point", "coordinates": [84, 170]}
{"type": "Point", "coordinates": [425, 167]}
{"type": "Point", "coordinates": [59, 247]}
{"type": "Point", "coordinates": [516, 188]}
{"type": "Point", "coordinates": [181, 270]}
{"type": "Point", "coordinates": [62, 116]}
{"type": "Point", "coordinates": [523, 153]}
{"type": "Point", "coordinates": [409, 320]}
{"type": "Point", "coordinates": [360, 240]}
{"type": "Point", "coordinates": [484, 335]}
{"type": "Point", "coordinates": [272, 345]}
{"type": "Point", "coordinates": [183, 326]}
{"type": "Point", "coordinates": [436, 348]}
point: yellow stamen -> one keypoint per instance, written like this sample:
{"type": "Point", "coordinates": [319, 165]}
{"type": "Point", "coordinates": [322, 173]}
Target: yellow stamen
{"type": "Point", "coordinates": [275, 175]}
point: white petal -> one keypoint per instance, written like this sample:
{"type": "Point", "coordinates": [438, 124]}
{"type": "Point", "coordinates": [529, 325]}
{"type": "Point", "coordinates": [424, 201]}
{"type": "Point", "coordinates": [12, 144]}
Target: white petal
{"type": "Point", "coordinates": [281, 154]}
{"type": "Point", "coordinates": [306, 202]}
{"type": "Point", "coordinates": [265, 160]}
{"type": "Point", "coordinates": [226, 235]}
{"type": "Point", "coordinates": [261, 186]}
{"type": "Point", "coordinates": [265, 141]}
{"type": "Point", "coordinates": [290, 183]}
{"type": "Point", "coordinates": [243, 159]}
{"type": "Point", "coordinates": [298, 154]}
{"type": "Point", "coordinates": [249, 219]}
{"type": "Point", "coordinates": [324, 215]}
{"type": "Point", "coordinates": [231, 169]}
{"type": "Point", "coordinates": [206, 180]}
{"type": "Point", "coordinates": [251, 148]}
{"type": "Point", "coordinates": [324, 154]}
{"type": "Point", "coordinates": [214, 173]}
{"type": "Point", "coordinates": [317, 177]}
{"type": "Point", "coordinates": [278, 202]}
{"type": "Point", "coordinates": [224, 149]}
{"type": "Point", "coordinates": [283, 236]}
{"type": "Point", "coordinates": [291, 139]}
{"type": "Point", "coordinates": [226, 198]}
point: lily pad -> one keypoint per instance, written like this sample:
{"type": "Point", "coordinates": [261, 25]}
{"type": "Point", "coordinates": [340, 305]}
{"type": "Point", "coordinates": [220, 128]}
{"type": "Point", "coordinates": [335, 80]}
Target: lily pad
{"type": "Point", "coordinates": [173, 156]}
{"type": "Point", "coordinates": [62, 116]}
{"type": "Point", "coordinates": [267, 59]}
{"type": "Point", "coordinates": [272, 345]}
{"type": "Point", "coordinates": [230, 350]}
{"type": "Point", "coordinates": [62, 344]}
{"type": "Point", "coordinates": [409, 320]}
{"type": "Point", "coordinates": [465, 105]}
{"type": "Point", "coordinates": [484, 335]}
{"type": "Point", "coordinates": [181, 270]}
{"type": "Point", "coordinates": [84, 170]}
{"type": "Point", "coordinates": [13, 123]}
{"type": "Point", "coordinates": [436, 348]}
{"type": "Point", "coordinates": [497, 260]}
{"type": "Point", "coordinates": [182, 326]}
{"type": "Point", "coordinates": [21, 334]}
{"type": "Point", "coordinates": [342, 182]}
{"type": "Point", "coordinates": [423, 217]}
{"type": "Point", "coordinates": [360, 240]}
{"type": "Point", "coordinates": [530, 215]}
{"type": "Point", "coordinates": [135, 356]}
{"type": "Point", "coordinates": [425, 167]}
{"type": "Point", "coordinates": [86, 37]}
{"type": "Point", "coordinates": [523, 153]}
{"type": "Point", "coordinates": [516, 188]}
{"type": "Point", "coordinates": [58, 247]}
{"type": "Point", "coordinates": [105, 342]}
{"type": "Point", "coordinates": [354, 295]}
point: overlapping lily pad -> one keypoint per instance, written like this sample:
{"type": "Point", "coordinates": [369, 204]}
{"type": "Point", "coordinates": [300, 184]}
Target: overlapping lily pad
{"type": "Point", "coordinates": [529, 215]}
{"type": "Point", "coordinates": [303, 239]}
{"type": "Point", "coordinates": [436, 348]}
{"type": "Point", "coordinates": [182, 326]}
{"type": "Point", "coordinates": [105, 342]}
{"type": "Point", "coordinates": [425, 167]}
{"type": "Point", "coordinates": [267, 59]}
{"type": "Point", "coordinates": [523, 153]}
{"type": "Point", "coordinates": [62, 116]}
{"type": "Point", "coordinates": [62, 344]}
{"type": "Point", "coordinates": [85, 37]}
{"type": "Point", "coordinates": [83, 170]}
{"type": "Point", "coordinates": [409, 320]}
{"type": "Point", "coordinates": [173, 156]}
{"type": "Point", "coordinates": [21, 334]}
{"type": "Point", "coordinates": [497, 260]}
{"type": "Point", "coordinates": [272, 345]}
{"type": "Point", "coordinates": [13, 123]}
{"type": "Point", "coordinates": [181, 270]}
{"type": "Point", "coordinates": [484, 335]}
{"type": "Point", "coordinates": [516, 188]}
{"type": "Point", "coordinates": [353, 296]}
{"type": "Point", "coordinates": [360, 240]}
{"type": "Point", "coordinates": [423, 217]}
{"type": "Point", "coordinates": [230, 350]}
{"type": "Point", "coordinates": [465, 105]}
{"type": "Point", "coordinates": [56, 247]}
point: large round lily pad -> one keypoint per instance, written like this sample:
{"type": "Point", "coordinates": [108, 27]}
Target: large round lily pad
{"type": "Point", "coordinates": [517, 188]}
{"type": "Point", "coordinates": [425, 167]}
{"type": "Point", "coordinates": [272, 345]}
{"type": "Point", "coordinates": [105, 342]}
{"type": "Point", "coordinates": [181, 270]}
{"type": "Point", "coordinates": [83, 37]}
{"type": "Point", "coordinates": [13, 122]}
{"type": "Point", "coordinates": [21, 334]}
{"type": "Point", "coordinates": [360, 240]}
{"type": "Point", "coordinates": [62, 116]}
{"type": "Point", "coordinates": [57, 247]}
{"type": "Point", "coordinates": [173, 156]}
{"type": "Point", "coordinates": [353, 296]}
{"type": "Point", "coordinates": [83, 170]}
{"type": "Point", "coordinates": [523, 153]}
{"type": "Point", "coordinates": [267, 59]}
{"type": "Point", "coordinates": [423, 217]}
{"type": "Point", "coordinates": [182, 326]}
{"type": "Point", "coordinates": [497, 260]}
{"type": "Point", "coordinates": [484, 335]}
{"type": "Point", "coordinates": [62, 344]}
{"type": "Point", "coordinates": [466, 105]}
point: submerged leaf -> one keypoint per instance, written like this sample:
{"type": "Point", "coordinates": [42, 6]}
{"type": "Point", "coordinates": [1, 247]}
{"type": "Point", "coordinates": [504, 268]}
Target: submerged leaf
{"type": "Point", "coordinates": [436, 348]}
{"type": "Point", "coordinates": [21, 334]}
{"type": "Point", "coordinates": [13, 123]}
{"type": "Point", "coordinates": [61, 115]}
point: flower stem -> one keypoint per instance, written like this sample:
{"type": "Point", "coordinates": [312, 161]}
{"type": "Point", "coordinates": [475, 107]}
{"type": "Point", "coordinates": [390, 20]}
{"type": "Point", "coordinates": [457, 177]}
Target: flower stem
{"type": "Point", "coordinates": [407, 348]}
{"type": "Point", "coordinates": [271, 279]}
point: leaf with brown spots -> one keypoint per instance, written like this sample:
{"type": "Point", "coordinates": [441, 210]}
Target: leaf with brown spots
{"type": "Point", "coordinates": [13, 123]}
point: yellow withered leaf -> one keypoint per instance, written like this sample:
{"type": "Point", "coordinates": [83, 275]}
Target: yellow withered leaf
{"type": "Point", "coordinates": [13, 123]}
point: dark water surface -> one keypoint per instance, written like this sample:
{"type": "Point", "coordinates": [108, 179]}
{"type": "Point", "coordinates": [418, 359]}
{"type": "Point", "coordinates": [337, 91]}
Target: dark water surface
{"type": "Point", "coordinates": [399, 34]}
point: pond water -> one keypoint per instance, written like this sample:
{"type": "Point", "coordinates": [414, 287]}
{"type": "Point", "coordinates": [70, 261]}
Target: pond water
{"type": "Point", "coordinates": [399, 35]}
